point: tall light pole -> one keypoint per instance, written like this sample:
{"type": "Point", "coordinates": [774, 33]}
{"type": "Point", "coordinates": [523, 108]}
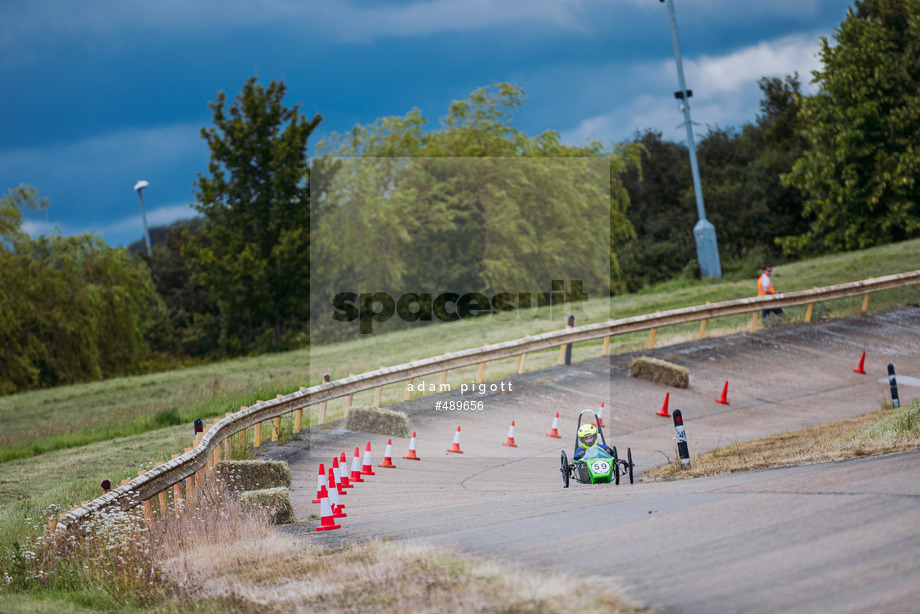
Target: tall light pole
{"type": "Point", "coordinates": [140, 185]}
{"type": "Point", "coordinates": [707, 249]}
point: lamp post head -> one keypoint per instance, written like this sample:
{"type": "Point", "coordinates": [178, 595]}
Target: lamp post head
{"type": "Point", "coordinates": [140, 185]}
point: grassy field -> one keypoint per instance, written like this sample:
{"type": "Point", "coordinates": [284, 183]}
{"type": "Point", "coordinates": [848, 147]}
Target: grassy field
{"type": "Point", "coordinates": [57, 445]}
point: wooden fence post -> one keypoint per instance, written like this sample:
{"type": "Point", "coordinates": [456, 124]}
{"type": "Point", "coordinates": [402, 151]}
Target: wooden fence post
{"type": "Point", "coordinates": [190, 485]}
{"type": "Point", "coordinates": [298, 417]}
{"type": "Point", "coordinates": [276, 428]}
{"type": "Point", "coordinates": [349, 397]}
{"type": "Point", "coordinates": [177, 492]}
{"type": "Point", "coordinates": [522, 360]}
{"type": "Point", "coordinates": [443, 380]}
{"type": "Point", "coordinates": [754, 322]}
{"type": "Point", "coordinates": [228, 444]}
{"type": "Point", "coordinates": [148, 508]}
{"type": "Point", "coordinates": [482, 369]}
{"type": "Point", "coordinates": [702, 332]}
{"type": "Point", "coordinates": [164, 499]}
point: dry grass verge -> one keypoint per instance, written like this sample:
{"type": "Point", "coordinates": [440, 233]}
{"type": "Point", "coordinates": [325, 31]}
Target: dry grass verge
{"type": "Point", "coordinates": [886, 430]}
{"type": "Point", "coordinates": [378, 420]}
{"type": "Point", "coordinates": [215, 557]}
{"type": "Point", "coordinates": [255, 474]}
{"type": "Point", "coordinates": [659, 372]}
{"type": "Point", "coordinates": [278, 572]}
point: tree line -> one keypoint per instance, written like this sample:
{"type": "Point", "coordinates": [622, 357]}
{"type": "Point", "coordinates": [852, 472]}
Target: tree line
{"type": "Point", "coordinates": [472, 204]}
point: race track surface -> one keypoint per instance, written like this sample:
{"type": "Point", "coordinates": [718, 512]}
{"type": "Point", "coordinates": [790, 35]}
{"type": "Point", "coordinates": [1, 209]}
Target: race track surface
{"type": "Point", "coordinates": [829, 537]}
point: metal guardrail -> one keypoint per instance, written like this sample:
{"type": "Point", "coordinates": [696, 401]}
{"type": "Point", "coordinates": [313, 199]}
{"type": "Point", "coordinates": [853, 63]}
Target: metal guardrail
{"type": "Point", "coordinates": [165, 476]}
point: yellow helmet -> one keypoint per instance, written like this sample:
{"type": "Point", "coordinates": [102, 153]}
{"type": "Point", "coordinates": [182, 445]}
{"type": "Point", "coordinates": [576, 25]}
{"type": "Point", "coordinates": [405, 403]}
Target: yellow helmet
{"type": "Point", "coordinates": [587, 435]}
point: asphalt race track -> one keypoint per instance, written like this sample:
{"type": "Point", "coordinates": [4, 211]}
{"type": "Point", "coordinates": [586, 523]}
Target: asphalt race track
{"type": "Point", "coordinates": [829, 537]}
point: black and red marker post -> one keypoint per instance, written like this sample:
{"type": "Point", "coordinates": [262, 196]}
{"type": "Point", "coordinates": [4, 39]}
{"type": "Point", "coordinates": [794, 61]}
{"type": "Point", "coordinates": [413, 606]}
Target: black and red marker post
{"type": "Point", "coordinates": [682, 450]}
{"type": "Point", "coordinates": [568, 346]}
{"type": "Point", "coordinates": [893, 384]}
{"type": "Point", "coordinates": [199, 425]}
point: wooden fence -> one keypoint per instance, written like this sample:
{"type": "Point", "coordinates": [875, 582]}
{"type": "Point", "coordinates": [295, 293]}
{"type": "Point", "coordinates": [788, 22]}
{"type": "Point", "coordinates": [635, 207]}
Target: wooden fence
{"type": "Point", "coordinates": [191, 467]}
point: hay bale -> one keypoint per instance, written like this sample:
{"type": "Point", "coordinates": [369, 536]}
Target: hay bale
{"type": "Point", "coordinates": [275, 501]}
{"type": "Point", "coordinates": [660, 372]}
{"type": "Point", "coordinates": [378, 420]}
{"type": "Point", "coordinates": [255, 474]}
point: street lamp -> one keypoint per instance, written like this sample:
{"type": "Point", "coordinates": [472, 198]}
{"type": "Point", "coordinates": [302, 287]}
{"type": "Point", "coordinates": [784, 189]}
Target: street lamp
{"type": "Point", "coordinates": [140, 185]}
{"type": "Point", "coordinates": [707, 249]}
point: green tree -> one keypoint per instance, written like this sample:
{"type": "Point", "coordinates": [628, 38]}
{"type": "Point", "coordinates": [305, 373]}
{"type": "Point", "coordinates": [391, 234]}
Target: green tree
{"type": "Point", "coordinates": [189, 325]}
{"type": "Point", "coordinates": [253, 255]}
{"type": "Point", "coordinates": [462, 221]}
{"type": "Point", "coordinates": [860, 171]}
{"type": "Point", "coordinates": [73, 309]}
{"type": "Point", "coordinates": [745, 197]}
{"type": "Point", "coordinates": [662, 211]}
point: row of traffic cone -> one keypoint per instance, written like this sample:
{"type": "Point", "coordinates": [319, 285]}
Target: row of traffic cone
{"type": "Point", "coordinates": [331, 487]}
{"type": "Point", "coordinates": [723, 399]}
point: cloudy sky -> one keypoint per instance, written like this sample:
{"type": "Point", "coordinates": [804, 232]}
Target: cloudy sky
{"type": "Point", "coordinates": [98, 95]}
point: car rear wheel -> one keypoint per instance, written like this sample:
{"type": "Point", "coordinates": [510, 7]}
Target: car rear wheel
{"type": "Point", "coordinates": [616, 466]}
{"type": "Point", "coordinates": [629, 462]}
{"type": "Point", "coordinates": [565, 470]}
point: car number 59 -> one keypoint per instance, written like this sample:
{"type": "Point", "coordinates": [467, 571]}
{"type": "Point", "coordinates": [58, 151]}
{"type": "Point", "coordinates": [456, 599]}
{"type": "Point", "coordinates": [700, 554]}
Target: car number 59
{"type": "Point", "coordinates": [600, 467]}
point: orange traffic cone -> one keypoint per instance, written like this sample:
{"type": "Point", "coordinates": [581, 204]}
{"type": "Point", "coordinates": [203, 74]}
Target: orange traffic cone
{"type": "Point", "coordinates": [356, 467]}
{"type": "Point", "coordinates": [456, 446]}
{"type": "Point", "coordinates": [862, 361]}
{"type": "Point", "coordinates": [600, 416]}
{"type": "Point", "coordinates": [339, 484]}
{"type": "Point", "coordinates": [388, 456]}
{"type": "Point", "coordinates": [554, 431]}
{"type": "Point", "coordinates": [334, 501]}
{"type": "Point", "coordinates": [326, 521]}
{"type": "Point", "coordinates": [724, 398]}
{"type": "Point", "coordinates": [343, 472]}
{"type": "Point", "coordinates": [368, 467]}
{"type": "Point", "coordinates": [510, 440]}
{"type": "Point", "coordinates": [320, 482]}
{"type": "Point", "coordinates": [664, 408]}
{"type": "Point", "coordinates": [412, 455]}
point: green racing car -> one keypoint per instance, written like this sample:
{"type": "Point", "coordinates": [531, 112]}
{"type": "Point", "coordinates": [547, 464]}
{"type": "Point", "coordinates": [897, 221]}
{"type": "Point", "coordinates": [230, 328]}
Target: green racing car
{"type": "Point", "coordinates": [596, 465]}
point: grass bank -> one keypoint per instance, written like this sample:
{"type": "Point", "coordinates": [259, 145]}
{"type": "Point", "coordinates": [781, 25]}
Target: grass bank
{"type": "Point", "coordinates": [216, 557]}
{"type": "Point", "coordinates": [879, 432]}
{"type": "Point", "coordinates": [41, 421]}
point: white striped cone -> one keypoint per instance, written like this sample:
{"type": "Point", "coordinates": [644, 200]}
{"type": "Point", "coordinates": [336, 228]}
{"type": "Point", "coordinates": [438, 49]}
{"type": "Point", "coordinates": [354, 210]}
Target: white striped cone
{"type": "Point", "coordinates": [554, 431]}
{"type": "Point", "coordinates": [320, 482]}
{"type": "Point", "coordinates": [456, 447]}
{"type": "Point", "coordinates": [340, 486]}
{"type": "Point", "coordinates": [343, 472]}
{"type": "Point", "coordinates": [326, 521]}
{"type": "Point", "coordinates": [600, 416]}
{"type": "Point", "coordinates": [368, 467]}
{"type": "Point", "coordinates": [388, 456]}
{"type": "Point", "coordinates": [356, 467]}
{"type": "Point", "coordinates": [510, 440]}
{"type": "Point", "coordinates": [334, 499]}
{"type": "Point", "coordinates": [412, 455]}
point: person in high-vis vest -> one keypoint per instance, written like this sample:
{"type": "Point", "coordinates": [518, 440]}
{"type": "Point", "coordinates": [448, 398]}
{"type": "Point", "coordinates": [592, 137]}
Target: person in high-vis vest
{"type": "Point", "coordinates": [765, 286]}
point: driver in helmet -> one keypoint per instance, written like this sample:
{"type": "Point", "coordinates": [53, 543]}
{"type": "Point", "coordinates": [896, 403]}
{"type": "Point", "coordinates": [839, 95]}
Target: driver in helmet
{"type": "Point", "coordinates": [587, 438]}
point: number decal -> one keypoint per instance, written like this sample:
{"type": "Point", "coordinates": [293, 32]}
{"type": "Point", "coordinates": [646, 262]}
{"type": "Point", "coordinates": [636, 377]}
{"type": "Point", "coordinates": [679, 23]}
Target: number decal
{"type": "Point", "coordinates": [600, 467]}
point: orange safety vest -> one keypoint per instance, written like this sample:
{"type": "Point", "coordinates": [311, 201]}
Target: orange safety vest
{"type": "Point", "coordinates": [769, 289]}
